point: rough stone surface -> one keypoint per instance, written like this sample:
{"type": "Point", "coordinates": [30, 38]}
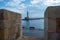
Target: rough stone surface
{"type": "Point", "coordinates": [52, 23]}
{"type": "Point", "coordinates": [10, 25]}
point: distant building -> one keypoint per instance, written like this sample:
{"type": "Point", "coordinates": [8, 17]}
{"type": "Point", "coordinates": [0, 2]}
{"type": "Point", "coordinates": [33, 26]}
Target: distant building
{"type": "Point", "coordinates": [52, 23]}
{"type": "Point", "coordinates": [10, 25]}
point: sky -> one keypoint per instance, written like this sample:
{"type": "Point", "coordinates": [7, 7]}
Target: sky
{"type": "Point", "coordinates": [36, 8]}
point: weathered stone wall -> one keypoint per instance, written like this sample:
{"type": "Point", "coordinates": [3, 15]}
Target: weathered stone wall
{"type": "Point", "coordinates": [10, 25]}
{"type": "Point", "coordinates": [52, 23]}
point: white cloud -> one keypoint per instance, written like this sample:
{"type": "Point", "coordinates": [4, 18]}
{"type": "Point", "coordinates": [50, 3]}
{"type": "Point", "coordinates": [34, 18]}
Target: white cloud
{"type": "Point", "coordinates": [16, 3]}
{"type": "Point", "coordinates": [38, 3]}
{"type": "Point", "coordinates": [35, 1]}
{"type": "Point", "coordinates": [23, 5]}
{"type": "Point", "coordinates": [15, 10]}
{"type": "Point", "coordinates": [51, 2]}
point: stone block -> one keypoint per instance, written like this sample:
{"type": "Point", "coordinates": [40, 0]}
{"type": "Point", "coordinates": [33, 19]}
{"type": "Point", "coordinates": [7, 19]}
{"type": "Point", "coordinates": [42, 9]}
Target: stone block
{"type": "Point", "coordinates": [10, 25]}
{"type": "Point", "coordinates": [52, 22]}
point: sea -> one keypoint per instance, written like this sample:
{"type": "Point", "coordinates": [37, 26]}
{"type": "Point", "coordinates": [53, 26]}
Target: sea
{"type": "Point", "coordinates": [38, 24]}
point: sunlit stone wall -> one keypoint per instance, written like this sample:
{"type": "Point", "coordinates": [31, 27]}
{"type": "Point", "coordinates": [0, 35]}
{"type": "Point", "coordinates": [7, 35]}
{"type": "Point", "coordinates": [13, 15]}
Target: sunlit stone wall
{"type": "Point", "coordinates": [10, 25]}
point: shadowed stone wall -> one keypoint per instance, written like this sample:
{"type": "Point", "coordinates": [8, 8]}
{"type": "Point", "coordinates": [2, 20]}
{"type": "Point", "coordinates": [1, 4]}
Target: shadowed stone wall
{"type": "Point", "coordinates": [52, 23]}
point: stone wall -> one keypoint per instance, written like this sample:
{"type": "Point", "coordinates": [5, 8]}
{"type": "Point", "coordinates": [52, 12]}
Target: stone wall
{"type": "Point", "coordinates": [52, 23]}
{"type": "Point", "coordinates": [10, 25]}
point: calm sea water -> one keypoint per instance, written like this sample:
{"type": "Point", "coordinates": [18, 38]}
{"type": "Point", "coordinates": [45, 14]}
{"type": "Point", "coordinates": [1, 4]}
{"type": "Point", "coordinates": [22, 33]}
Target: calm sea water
{"type": "Point", "coordinates": [38, 24]}
{"type": "Point", "coordinates": [33, 23]}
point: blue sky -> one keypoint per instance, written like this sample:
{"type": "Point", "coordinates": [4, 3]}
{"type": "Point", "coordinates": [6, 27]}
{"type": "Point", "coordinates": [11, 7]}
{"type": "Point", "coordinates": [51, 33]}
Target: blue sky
{"type": "Point", "coordinates": [35, 8]}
